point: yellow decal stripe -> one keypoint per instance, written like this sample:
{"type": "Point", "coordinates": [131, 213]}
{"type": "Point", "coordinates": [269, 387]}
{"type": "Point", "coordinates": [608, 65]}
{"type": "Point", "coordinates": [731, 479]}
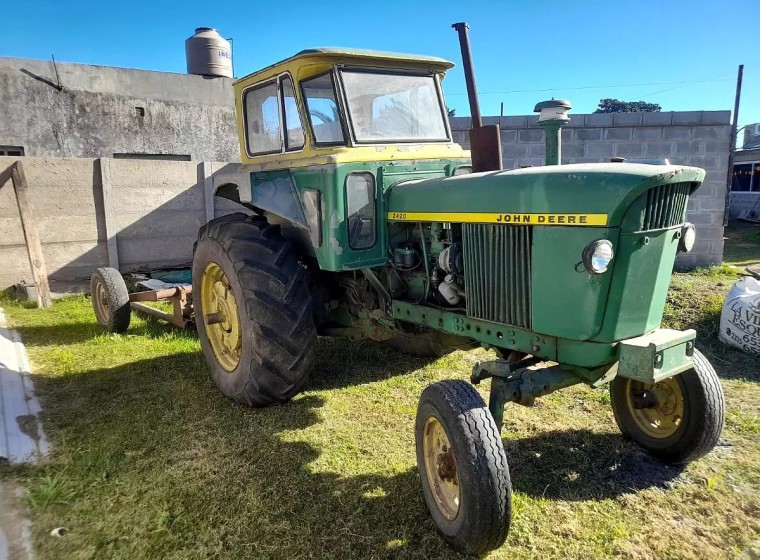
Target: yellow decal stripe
{"type": "Point", "coordinates": [516, 218]}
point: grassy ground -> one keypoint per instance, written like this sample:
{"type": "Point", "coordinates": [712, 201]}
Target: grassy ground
{"type": "Point", "coordinates": [150, 461]}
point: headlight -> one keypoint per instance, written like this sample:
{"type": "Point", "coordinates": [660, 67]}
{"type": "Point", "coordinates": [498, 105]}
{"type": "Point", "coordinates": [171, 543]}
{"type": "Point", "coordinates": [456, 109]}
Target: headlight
{"type": "Point", "coordinates": [462, 170]}
{"type": "Point", "coordinates": [688, 237]}
{"type": "Point", "coordinates": [597, 256]}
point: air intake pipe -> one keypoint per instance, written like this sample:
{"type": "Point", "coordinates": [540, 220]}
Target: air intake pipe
{"type": "Point", "coordinates": [552, 117]}
{"type": "Point", "coordinates": [485, 141]}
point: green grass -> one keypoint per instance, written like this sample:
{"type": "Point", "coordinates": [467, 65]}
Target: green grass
{"type": "Point", "coordinates": [150, 461]}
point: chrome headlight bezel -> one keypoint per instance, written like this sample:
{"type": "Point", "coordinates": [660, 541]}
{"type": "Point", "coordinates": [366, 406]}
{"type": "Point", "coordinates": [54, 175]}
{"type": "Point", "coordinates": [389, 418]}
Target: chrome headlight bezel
{"type": "Point", "coordinates": [598, 255]}
{"type": "Point", "coordinates": [688, 238]}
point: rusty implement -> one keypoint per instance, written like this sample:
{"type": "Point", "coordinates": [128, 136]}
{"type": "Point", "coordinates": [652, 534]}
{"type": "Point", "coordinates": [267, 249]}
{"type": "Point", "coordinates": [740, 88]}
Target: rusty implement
{"type": "Point", "coordinates": [182, 312]}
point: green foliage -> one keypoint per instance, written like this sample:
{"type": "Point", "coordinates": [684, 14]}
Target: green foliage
{"type": "Point", "coordinates": [609, 105]}
{"type": "Point", "coordinates": [49, 491]}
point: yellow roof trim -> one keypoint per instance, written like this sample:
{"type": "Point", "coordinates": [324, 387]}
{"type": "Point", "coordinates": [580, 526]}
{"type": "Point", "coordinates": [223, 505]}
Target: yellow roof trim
{"type": "Point", "coordinates": [328, 56]}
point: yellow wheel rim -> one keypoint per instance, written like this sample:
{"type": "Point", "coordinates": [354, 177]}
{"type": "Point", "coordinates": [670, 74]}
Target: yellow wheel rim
{"type": "Point", "coordinates": [441, 468]}
{"type": "Point", "coordinates": [663, 407]}
{"type": "Point", "coordinates": [220, 315]}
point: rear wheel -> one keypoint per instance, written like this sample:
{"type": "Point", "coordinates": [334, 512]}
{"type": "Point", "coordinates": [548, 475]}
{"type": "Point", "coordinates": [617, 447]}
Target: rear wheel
{"type": "Point", "coordinates": [463, 467]}
{"type": "Point", "coordinates": [110, 300]}
{"type": "Point", "coordinates": [253, 310]}
{"type": "Point", "coordinates": [679, 419]}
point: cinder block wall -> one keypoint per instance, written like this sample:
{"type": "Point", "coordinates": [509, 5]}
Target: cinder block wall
{"type": "Point", "coordinates": [150, 210]}
{"type": "Point", "coordinates": [698, 138]}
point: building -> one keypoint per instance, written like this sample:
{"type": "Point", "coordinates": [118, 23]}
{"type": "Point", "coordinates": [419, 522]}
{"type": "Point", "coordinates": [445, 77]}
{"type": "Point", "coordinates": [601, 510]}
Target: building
{"type": "Point", "coordinates": [745, 183]}
{"type": "Point", "coordinates": [751, 136]}
{"type": "Point", "coordinates": [77, 110]}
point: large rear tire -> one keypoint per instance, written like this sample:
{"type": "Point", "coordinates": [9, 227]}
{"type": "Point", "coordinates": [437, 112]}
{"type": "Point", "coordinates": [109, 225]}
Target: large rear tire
{"type": "Point", "coordinates": [463, 467]}
{"type": "Point", "coordinates": [252, 310]}
{"type": "Point", "coordinates": [679, 419]}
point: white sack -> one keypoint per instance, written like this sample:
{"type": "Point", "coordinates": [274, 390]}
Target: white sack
{"type": "Point", "coordinates": [740, 318]}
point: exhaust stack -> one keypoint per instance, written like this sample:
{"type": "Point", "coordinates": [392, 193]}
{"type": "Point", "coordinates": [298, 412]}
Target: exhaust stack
{"type": "Point", "coordinates": [552, 117]}
{"type": "Point", "coordinates": [485, 141]}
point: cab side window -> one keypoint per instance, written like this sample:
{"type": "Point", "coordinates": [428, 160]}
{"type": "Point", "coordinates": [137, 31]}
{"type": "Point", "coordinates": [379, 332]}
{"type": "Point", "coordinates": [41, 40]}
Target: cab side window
{"type": "Point", "coordinates": [294, 137]}
{"type": "Point", "coordinates": [262, 119]}
{"type": "Point", "coordinates": [272, 121]}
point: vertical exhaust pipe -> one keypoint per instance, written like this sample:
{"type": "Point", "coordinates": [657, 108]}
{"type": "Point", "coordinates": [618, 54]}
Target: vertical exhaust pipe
{"type": "Point", "coordinates": [485, 141]}
{"type": "Point", "coordinates": [552, 117]}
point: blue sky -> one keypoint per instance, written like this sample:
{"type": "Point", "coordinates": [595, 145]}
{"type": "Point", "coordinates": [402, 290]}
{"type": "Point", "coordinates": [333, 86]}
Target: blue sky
{"type": "Point", "coordinates": [681, 54]}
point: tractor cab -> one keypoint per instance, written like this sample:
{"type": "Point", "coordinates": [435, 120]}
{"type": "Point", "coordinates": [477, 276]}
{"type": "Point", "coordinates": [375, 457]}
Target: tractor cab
{"type": "Point", "coordinates": [344, 104]}
{"type": "Point", "coordinates": [325, 134]}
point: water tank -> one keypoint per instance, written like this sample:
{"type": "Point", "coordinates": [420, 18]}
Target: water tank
{"type": "Point", "coordinates": [208, 54]}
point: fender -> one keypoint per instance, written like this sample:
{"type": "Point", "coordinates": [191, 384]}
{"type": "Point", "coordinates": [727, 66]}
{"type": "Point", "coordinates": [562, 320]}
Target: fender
{"type": "Point", "coordinates": [271, 192]}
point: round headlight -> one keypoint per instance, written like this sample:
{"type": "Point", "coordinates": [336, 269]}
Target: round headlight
{"type": "Point", "coordinates": [597, 256]}
{"type": "Point", "coordinates": [688, 237]}
{"type": "Point", "coordinates": [462, 170]}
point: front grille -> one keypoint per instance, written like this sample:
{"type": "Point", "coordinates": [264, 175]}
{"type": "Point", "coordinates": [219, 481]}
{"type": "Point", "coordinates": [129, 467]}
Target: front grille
{"type": "Point", "coordinates": [666, 206]}
{"type": "Point", "coordinates": [497, 272]}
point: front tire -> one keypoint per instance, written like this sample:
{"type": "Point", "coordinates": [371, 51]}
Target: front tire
{"type": "Point", "coordinates": [463, 467]}
{"type": "Point", "coordinates": [679, 419]}
{"type": "Point", "coordinates": [252, 310]}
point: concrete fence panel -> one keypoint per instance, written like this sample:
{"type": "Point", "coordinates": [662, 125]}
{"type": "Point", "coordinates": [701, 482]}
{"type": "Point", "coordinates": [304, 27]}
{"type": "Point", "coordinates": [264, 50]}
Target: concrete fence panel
{"type": "Point", "coordinates": [133, 214]}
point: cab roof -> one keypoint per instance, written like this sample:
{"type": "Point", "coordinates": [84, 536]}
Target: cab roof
{"type": "Point", "coordinates": [337, 55]}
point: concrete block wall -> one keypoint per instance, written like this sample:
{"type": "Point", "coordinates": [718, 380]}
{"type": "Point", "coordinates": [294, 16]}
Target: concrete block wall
{"type": "Point", "coordinates": [150, 210]}
{"type": "Point", "coordinates": [698, 138]}
{"type": "Point", "coordinates": [69, 217]}
{"type": "Point", "coordinates": [99, 110]}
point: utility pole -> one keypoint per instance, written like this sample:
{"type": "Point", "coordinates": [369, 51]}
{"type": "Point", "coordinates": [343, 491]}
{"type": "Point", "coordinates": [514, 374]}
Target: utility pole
{"type": "Point", "coordinates": [732, 142]}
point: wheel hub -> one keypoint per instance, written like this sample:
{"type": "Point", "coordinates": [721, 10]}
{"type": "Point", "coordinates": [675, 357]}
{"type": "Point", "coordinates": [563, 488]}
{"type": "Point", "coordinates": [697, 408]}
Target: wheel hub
{"type": "Point", "coordinates": [441, 468]}
{"type": "Point", "coordinates": [657, 408]}
{"type": "Point", "coordinates": [101, 299]}
{"type": "Point", "coordinates": [220, 312]}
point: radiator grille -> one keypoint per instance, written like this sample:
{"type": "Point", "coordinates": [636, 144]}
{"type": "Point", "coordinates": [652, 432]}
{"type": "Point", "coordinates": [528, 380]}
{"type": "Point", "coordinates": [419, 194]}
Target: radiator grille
{"type": "Point", "coordinates": [497, 272]}
{"type": "Point", "coordinates": [666, 206]}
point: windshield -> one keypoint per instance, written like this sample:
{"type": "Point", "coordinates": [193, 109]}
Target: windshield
{"type": "Point", "coordinates": [387, 107]}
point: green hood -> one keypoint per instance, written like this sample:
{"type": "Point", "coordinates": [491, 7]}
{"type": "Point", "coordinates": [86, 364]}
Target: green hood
{"type": "Point", "coordinates": [606, 188]}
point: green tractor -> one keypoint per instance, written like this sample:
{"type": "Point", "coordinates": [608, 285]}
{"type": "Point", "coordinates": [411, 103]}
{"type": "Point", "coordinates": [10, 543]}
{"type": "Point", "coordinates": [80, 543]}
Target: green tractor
{"type": "Point", "coordinates": [366, 220]}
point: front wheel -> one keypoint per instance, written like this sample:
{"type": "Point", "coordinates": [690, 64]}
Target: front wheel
{"type": "Point", "coordinates": [463, 467]}
{"type": "Point", "coordinates": [679, 419]}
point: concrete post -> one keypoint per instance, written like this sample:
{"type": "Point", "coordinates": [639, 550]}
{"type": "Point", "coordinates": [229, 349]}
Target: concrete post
{"type": "Point", "coordinates": [105, 182]}
{"type": "Point", "coordinates": [206, 174]}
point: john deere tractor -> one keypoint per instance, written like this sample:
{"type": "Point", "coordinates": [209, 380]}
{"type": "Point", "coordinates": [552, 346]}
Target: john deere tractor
{"type": "Point", "coordinates": [366, 220]}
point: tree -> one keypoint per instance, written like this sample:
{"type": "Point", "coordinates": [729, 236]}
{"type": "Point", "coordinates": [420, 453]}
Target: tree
{"type": "Point", "coordinates": [617, 106]}
{"type": "Point", "coordinates": [451, 112]}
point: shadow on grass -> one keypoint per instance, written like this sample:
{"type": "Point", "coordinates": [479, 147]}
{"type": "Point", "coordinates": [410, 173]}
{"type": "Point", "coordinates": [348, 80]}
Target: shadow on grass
{"type": "Point", "coordinates": [193, 472]}
{"type": "Point", "coordinates": [60, 334]}
{"type": "Point", "coordinates": [165, 464]}
{"type": "Point", "coordinates": [583, 465]}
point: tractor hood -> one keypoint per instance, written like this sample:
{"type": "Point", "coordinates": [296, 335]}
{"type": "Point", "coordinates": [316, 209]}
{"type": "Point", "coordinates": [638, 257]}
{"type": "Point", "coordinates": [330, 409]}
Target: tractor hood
{"type": "Point", "coordinates": [601, 192]}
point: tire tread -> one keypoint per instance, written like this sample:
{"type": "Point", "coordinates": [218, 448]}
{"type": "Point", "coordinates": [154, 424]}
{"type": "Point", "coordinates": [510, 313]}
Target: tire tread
{"type": "Point", "coordinates": [277, 302]}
